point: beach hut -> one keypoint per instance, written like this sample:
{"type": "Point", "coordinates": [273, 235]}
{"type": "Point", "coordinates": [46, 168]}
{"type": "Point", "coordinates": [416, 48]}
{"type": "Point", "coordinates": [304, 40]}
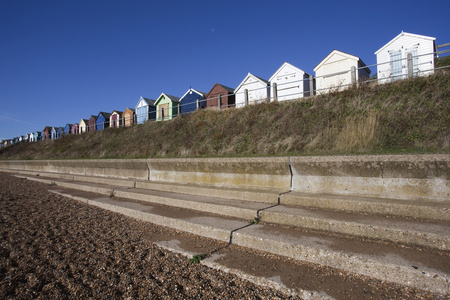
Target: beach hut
{"type": "Point", "coordinates": [167, 107]}
{"type": "Point", "coordinates": [74, 129]}
{"type": "Point", "coordinates": [54, 133]}
{"type": "Point", "coordinates": [47, 133]}
{"type": "Point", "coordinates": [192, 100]}
{"type": "Point", "coordinates": [290, 82]}
{"type": "Point", "coordinates": [37, 136]}
{"type": "Point", "coordinates": [334, 72]}
{"type": "Point", "coordinates": [92, 123]}
{"type": "Point", "coordinates": [115, 120]}
{"type": "Point", "coordinates": [59, 132]}
{"type": "Point", "coordinates": [145, 110]}
{"type": "Point", "coordinates": [102, 121]}
{"type": "Point", "coordinates": [67, 129]}
{"type": "Point", "coordinates": [128, 117]}
{"type": "Point", "coordinates": [83, 126]}
{"type": "Point", "coordinates": [257, 89]}
{"type": "Point", "coordinates": [392, 58]}
{"type": "Point", "coordinates": [220, 92]}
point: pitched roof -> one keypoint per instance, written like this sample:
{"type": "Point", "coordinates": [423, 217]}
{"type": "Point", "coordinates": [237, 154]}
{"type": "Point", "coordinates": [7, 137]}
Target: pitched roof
{"type": "Point", "coordinates": [195, 91]}
{"type": "Point", "coordinates": [129, 109]}
{"type": "Point", "coordinates": [334, 52]}
{"type": "Point", "coordinates": [228, 89]}
{"type": "Point", "coordinates": [284, 65]}
{"type": "Point", "coordinates": [263, 81]}
{"type": "Point", "coordinates": [149, 101]}
{"type": "Point", "coordinates": [104, 114]}
{"type": "Point", "coordinates": [117, 112]}
{"type": "Point", "coordinates": [171, 98]}
{"type": "Point", "coordinates": [402, 34]}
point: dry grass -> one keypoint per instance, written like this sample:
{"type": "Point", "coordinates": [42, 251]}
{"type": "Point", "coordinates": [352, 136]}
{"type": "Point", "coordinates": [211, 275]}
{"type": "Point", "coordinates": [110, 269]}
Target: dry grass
{"type": "Point", "coordinates": [405, 116]}
{"type": "Point", "coordinates": [359, 133]}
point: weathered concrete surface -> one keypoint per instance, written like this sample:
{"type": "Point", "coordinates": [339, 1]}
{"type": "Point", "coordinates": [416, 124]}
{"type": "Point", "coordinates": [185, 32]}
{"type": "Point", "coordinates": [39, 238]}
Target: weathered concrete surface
{"type": "Point", "coordinates": [370, 260]}
{"type": "Point", "coordinates": [259, 172]}
{"type": "Point", "coordinates": [117, 168]}
{"type": "Point", "coordinates": [387, 176]}
{"type": "Point", "coordinates": [244, 194]}
{"type": "Point", "coordinates": [397, 230]}
{"type": "Point", "coordinates": [376, 260]}
{"type": "Point", "coordinates": [411, 208]}
{"type": "Point", "coordinates": [191, 222]}
{"type": "Point", "coordinates": [65, 166]}
{"type": "Point", "coordinates": [417, 223]}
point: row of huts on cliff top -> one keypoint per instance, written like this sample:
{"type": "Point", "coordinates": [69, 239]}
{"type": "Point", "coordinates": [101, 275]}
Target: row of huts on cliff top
{"type": "Point", "coordinates": [336, 71]}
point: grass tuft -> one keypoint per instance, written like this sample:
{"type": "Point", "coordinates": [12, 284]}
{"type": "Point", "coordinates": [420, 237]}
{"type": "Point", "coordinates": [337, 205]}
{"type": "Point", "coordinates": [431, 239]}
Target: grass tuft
{"type": "Point", "coordinates": [197, 258]}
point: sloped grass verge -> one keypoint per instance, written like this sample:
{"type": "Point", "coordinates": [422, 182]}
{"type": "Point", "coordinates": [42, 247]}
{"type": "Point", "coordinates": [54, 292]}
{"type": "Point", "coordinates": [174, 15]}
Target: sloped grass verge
{"type": "Point", "coordinates": [408, 116]}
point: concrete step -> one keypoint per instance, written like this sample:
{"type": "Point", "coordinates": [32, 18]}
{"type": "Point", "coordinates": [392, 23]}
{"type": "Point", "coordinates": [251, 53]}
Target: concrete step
{"type": "Point", "coordinates": [419, 233]}
{"type": "Point", "coordinates": [427, 270]}
{"type": "Point", "coordinates": [256, 195]}
{"type": "Point", "coordinates": [221, 206]}
{"type": "Point", "coordinates": [417, 209]}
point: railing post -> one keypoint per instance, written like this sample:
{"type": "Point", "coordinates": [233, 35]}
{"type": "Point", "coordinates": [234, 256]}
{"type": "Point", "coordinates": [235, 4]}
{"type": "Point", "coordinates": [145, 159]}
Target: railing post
{"type": "Point", "coordinates": [275, 92]}
{"type": "Point", "coordinates": [311, 85]}
{"type": "Point", "coordinates": [353, 74]}
{"type": "Point", "coordinates": [246, 97]}
{"type": "Point", "coordinates": [198, 104]}
{"type": "Point", "coordinates": [410, 66]}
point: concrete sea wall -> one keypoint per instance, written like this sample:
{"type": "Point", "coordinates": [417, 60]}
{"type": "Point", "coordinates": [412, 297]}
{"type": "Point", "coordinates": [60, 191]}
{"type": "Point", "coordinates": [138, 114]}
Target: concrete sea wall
{"type": "Point", "coordinates": [389, 176]}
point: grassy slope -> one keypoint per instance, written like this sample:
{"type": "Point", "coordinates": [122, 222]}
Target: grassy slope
{"type": "Point", "coordinates": [410, 116]}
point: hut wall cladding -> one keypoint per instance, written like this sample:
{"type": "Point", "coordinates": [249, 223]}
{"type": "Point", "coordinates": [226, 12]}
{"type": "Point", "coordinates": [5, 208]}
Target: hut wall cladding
{"type": "Point", "coordinates": [102, 121]}
{"type": "Point", "coordinates": [83, 126]}
{"type": "Point", "coordinates": [166, 108]}
{"type": "Point", "coordinates": [212, 97]}
{"type": "Point", "coordinates": [47, 133]}
{"type": "Point", "coordinates": [74, 129]}
{"type": "Point", "coordinates": [92, 123]}
{"type": "Point", "coordinates": [152, 112]}
{"type": "Point", "coordinates": [113, 121]}
{"type": "Point", "coordinates": [128, 116]}
{"type": "Point", "coordinates": [189, 102]}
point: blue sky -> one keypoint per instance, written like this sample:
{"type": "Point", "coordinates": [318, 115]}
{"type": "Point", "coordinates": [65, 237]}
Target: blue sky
{"type": "Point", "coordinates": [63, 60]}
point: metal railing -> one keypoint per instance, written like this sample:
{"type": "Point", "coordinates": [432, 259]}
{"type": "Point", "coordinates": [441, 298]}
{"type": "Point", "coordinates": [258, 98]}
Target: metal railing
{"type": "Point", "coordinates": [274, 92]}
